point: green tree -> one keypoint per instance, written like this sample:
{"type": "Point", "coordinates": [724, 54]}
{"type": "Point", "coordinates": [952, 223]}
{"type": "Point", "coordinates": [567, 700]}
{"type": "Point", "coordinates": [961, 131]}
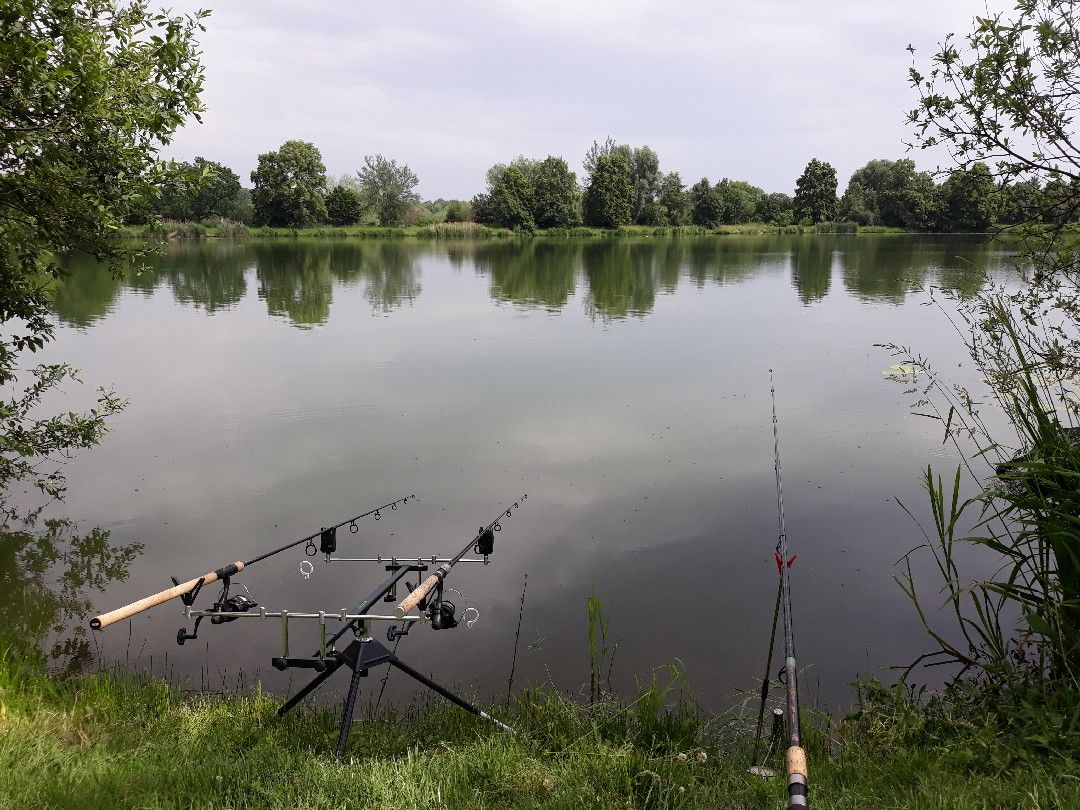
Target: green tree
{"type": "Point", "coordinates": [705, 204]}
{"type": "Point", "coordinates": [645, 177]}
{"type": "Point", "coordinates": [857, 205]}
{"type": "Point", "coordinates": [922, 207]}
{"type": "Point", "coordinates": [815, 192]}
{"type": "Point", "coordinates": [343, 205]}
{"type": "Point", "coordinates": [970, 197]}
{"type": "Point", "coordinates": [203, 189]}
{"type": "Point", "coordinates": [738, 201]}
{"type": "Point", "coordinates": [1020, 202]}
{"type": "Point", "coordinates": [775, 208]}
{"type": "Point", "coordinates": [556, 199]}
{"type": "Point", "coordinates": [387, 189]}
{"type": "Point", "coordinates": [290, 186]}
{"type": "Point", "coordinates": [609, 198]}
{"type": "Point", "coordinates": [89, 92]}
{"type": "Point", "coordinates": [511, 199]}
{"type": "Point", "coordinates": [674, 202]}
{"type": "Point", "coordinates": [458, 211]}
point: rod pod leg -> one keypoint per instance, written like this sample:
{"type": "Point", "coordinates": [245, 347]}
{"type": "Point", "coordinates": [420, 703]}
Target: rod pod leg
{"type": "Point", "coordinates": [350, 706]}
{"type": "Point", "coordinates": [446, 693]}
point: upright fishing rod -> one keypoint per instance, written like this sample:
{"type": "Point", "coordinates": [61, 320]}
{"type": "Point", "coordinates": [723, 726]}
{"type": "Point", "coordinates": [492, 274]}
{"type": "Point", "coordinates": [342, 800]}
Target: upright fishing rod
{"type": "Point", "coordinates": [796, 756]}
{"type": "Point", "coordinates": [187, 591]}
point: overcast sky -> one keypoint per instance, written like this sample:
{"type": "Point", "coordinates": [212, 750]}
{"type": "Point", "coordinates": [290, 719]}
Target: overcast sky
{"type": "Point", "coordinates": [746, 90]}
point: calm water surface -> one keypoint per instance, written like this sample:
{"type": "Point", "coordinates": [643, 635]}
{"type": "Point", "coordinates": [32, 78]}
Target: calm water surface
{"type": "Point", "coordinates": [275, 387]}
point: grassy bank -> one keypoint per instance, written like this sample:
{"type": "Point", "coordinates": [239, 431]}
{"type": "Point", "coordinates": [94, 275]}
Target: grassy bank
{"type": "Point", "coordinates": [106, 741]}
{"type": "Point", "coordinates": [472, 231]}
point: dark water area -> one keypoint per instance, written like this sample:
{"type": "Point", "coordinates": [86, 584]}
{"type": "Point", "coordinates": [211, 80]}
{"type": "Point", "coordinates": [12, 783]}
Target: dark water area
{"type": "Point", "coordinates": [275, 387]}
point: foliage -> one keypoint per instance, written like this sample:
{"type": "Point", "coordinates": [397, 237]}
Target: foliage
{"type": "Point", "coordinates": [90, 92]}
{"type": "Point", "coordinates": [344, 206]}
{"type": "Point", "coordinates": [290, 186]}
{"type": "Point", "coordinates": [646, 178]}
{"type": "Point", "coordinates": [705, 204]}
{"type": "Point", "coordinates": [673, 200]}
{"type": "Point", "coordinates": [815, 192]}
{"type": "Point", "coordinates": [511, 200]}
{"type": "Point", "coordinates": [387, 189]}
{"type": "Point", "coordinates": [1002, 102]}
{"type": "Point", "coordinates": [556, 199]}
{"type": "Point", "coordinates": [609, 198]}
{"type": "Point", "coordinates": [970, 198]}
{"type": "Point", "coordinates": [201, 190]}
{"type": "Point", "coordinates": [776, 208]}
{"type": "Point", "coordinates": [459, 211]}
{"type": "Point", "coordinates": [738, 201]}
{"type": "Point", "coordinates": [890, 193]}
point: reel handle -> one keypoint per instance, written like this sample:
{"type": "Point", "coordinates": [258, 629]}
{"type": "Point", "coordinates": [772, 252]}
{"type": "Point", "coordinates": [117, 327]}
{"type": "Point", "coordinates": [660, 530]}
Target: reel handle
{"type": "Point", "coordinates": [147, 602]}
{"type": "Point", "coordinates": [422, 590]}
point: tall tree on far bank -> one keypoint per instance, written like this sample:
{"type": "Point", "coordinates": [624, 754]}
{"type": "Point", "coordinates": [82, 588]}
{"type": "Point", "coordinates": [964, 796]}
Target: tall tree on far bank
{"type": "Point", "coordinates": [290, 186]}
{"type": "Point", "coordinates": [387, 189]}
{"type": "Point", "coordinates": [609, 198]}
{"type": "Point", "coordinates": [970, 199]}
{"type": "Point", "coordinates": [206, 189]}
{"type": "Point", "coordinates": [815, 193]}
{"type": "Point", "coordinates": [674, 201]}
{"type": "Point", "coordinates": [344, 206]}
{"type": "Point", "coordinates": [705, 204]}
{"type": "Point", "coordinates": [89, 92]}
{"type": "Point", "coordinates": [645, 176]}
{"type": "Point", "coordinates": [556, 199]}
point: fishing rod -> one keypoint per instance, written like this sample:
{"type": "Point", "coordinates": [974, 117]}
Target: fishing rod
{"type": "Point", "coordinates": [482, 544]}
{"type": "Point", "coordinates": [189, 590]}
{"type": "Point", "coordinates": [798, 788]}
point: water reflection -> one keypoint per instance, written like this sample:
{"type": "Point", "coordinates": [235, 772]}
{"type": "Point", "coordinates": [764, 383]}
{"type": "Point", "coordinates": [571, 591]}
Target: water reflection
{"type": "Point", "coordinates": [618, 278]}
{"type": "Point", "coordinates": [811, 269]}
{"type": "Point", "coordinates": [536, 274]}
{"type": "Point", "coordinates": [48, 572]}
{"type": "Point", "coordinates": [85, 293]}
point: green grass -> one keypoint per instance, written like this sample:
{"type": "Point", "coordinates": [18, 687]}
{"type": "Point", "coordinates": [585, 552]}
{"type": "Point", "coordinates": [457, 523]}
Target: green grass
{"type": "Point", "coordinates": [110, 741]}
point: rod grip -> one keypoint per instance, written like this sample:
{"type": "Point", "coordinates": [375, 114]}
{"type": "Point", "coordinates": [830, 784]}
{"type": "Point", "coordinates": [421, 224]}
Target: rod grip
{"type": "Point", "coordinates": [147, 602]}
{"type": "Point", "coordinates": [421, 590]}
{"type": "Point", "coordinates": [798, 788]}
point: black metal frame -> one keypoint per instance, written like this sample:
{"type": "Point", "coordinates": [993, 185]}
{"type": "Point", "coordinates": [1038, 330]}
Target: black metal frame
{"type": "Point", "coordinates": [364, 652]}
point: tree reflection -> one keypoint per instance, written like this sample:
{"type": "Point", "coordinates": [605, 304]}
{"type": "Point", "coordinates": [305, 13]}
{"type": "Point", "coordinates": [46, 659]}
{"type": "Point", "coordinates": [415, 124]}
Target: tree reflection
{"type": "Point", "coordinates": [85, 293]}
{"type": "Point", "coordinates": [811, 269]}
{"type": "Point", "coordinates": [209, 276]}
{"type": "Point", "coordinates": [532, 274]}
{"type": "Point", "coordinates": [47, 570]}
{"type": "Point", "coordinates": [620, 276]}
{"type": "Point", "coordinates": [391, 275]}
{"type": "Point", "coordinates": [296, 284]}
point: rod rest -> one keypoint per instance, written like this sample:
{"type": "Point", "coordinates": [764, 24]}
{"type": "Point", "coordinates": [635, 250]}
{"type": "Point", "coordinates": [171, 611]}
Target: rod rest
{"type": "Point", "coordinates": [282, 663]}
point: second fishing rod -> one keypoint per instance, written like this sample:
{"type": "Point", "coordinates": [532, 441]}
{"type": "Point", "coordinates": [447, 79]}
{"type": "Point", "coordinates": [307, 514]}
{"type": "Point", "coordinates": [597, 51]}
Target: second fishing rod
{"type": "Point", "coordinates": [798, 787]}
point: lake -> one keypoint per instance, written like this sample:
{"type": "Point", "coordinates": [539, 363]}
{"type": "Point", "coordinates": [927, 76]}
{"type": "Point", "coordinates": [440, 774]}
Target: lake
{"type": "Point", "coordinates": [275, 387]}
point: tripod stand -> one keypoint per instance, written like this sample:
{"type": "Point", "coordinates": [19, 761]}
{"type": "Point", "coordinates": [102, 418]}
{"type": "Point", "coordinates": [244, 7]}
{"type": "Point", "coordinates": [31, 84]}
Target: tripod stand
{"type": "Point", "coordinates": [360, 656]}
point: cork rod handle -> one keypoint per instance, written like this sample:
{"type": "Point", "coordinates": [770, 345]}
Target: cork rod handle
{"type": "Point", "coordinates": [147, 602]}
{"type": "Point", "coordinates": [422, 590]}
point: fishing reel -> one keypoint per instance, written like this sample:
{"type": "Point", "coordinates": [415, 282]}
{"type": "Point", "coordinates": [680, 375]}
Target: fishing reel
{"type": "Point", "coordinates": [240, 603]}
{"type": "Point", "coordinates": [442, 613]}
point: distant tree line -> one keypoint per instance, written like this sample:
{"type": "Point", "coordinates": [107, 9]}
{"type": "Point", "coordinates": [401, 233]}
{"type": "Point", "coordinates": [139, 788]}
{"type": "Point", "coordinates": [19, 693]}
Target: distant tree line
{"type": "Point", "coordinates": [621, 185]}
{"type": "Point", "coordinates": [290, 188]}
